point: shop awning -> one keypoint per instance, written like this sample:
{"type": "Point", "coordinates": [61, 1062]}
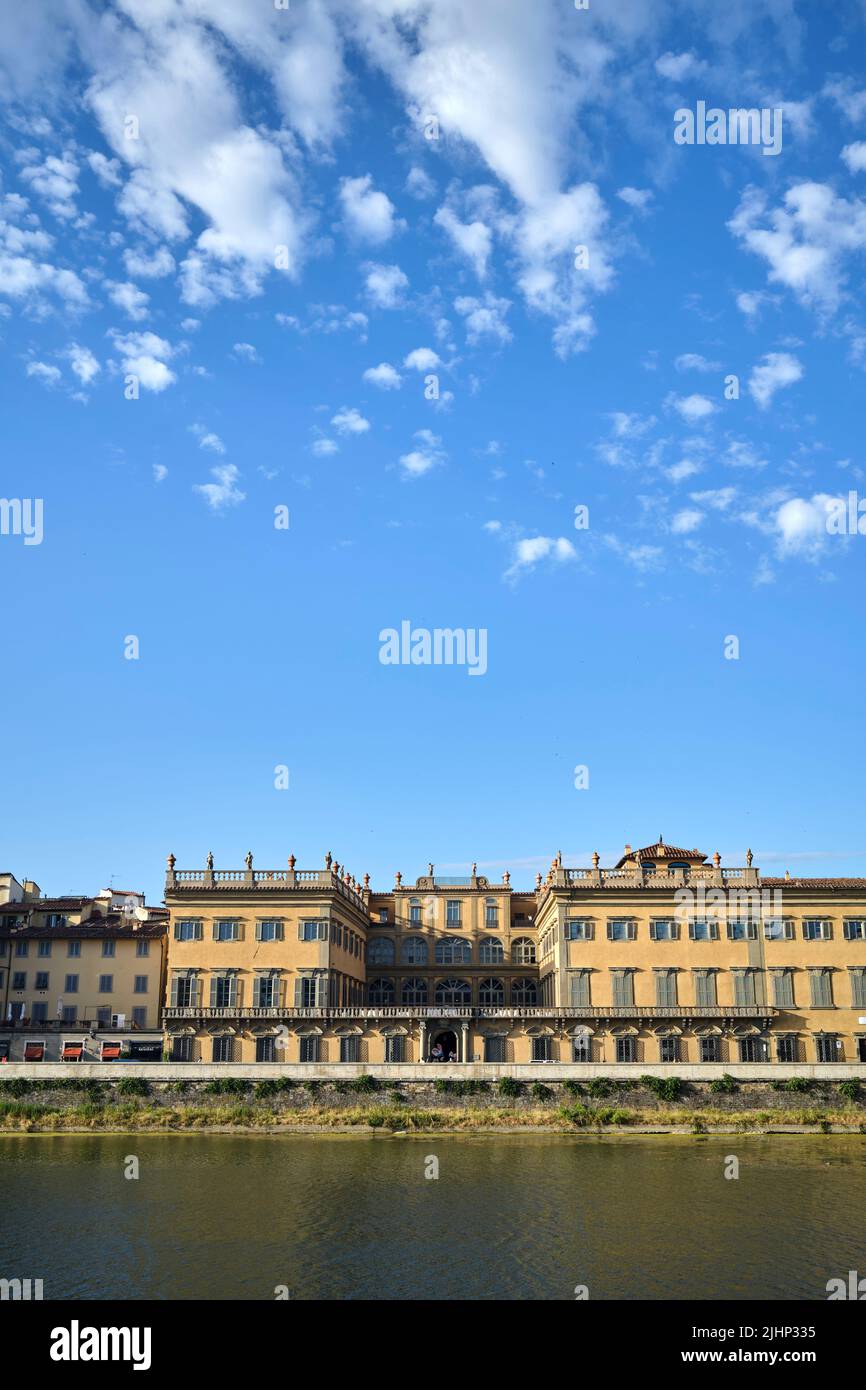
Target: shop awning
{"type": "Point", "coordinates": [72, 1051]}
{"type": "Point", "coordinates": [110, 1051]}
{"type": "Point", "coordinates": [34, 1051]}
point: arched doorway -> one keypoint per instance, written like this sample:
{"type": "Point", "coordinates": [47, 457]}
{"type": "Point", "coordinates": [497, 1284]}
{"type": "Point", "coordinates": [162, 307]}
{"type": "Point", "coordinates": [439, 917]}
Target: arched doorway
{"type": "Point", "coordinates": [447, 1040]}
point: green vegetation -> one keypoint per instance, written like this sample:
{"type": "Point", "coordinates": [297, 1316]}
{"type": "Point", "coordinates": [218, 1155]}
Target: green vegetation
{"type": "Point", "coordinates": [723, 1085]}
{"type": "Point", "coordinates": [665, 1087]}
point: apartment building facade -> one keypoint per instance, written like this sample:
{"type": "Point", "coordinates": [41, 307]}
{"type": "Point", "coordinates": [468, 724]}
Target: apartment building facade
{"type": "Point", "coordinates": [81, 978]}
{"type": "Point", "coordinates": [666, 957]}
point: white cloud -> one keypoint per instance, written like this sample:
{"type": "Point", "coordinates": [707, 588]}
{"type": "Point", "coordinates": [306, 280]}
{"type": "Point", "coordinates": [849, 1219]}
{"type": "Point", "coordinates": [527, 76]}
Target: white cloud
{"type": "Point", "coordinates": [686, 468]}
{"type": "Point", "coordinates": [148, 205]}
{"type": "Point", "coordinates": [386, 377]}
{"type": "Point", "coordinates": [484, 318]}
{"type": "Point", "coordinates": [691, 408]}
{"type": "Point", "coordinates": [741, 454]}
{"type": "Point", "coordinates": [419, 184]}
{"type": "Point", "coordinates": [694, 362]}
{"type": "Point", "coordinates": [55, 180]}
{"type": "Point", "coordinates": [805, 241]}
{"type": "Point", "coordinates": [719, 498]}
{"type": "Point", "coordinates": [427, 455]}
{"type": "Point", "coordinates": [850, 100]}
{"type": "Point", "coordinates": [531, 550]}
{"type": "Point", "coordinates": [422, 359]}
{"type": "Point", "coordinates": [160, 472]}
{"type": "Point", "coordinates": [145, 355]}
{"type": "Point", "coordinates": [82, 362]}
{"type": "Point", "coordinates": [749, 302]}
{"type": "Point", "coordinates": [385, 284]}
{"type": "Point", "coordinates": [855, 157]}
{"type": "Point", "coordinates": [22, 278]}
{"type": "Point", "coordinates": [49, 376]}
{"type": "Point", "coordinates": [106, 170]}
{"type": "Point", "coordinates": [630, 425]}
{"type": "Point", "coordinates": [801, 525]}
{"type": "Point", "coordinates": [474, 240]}
{"type": "Point", "coordinates": [149, 265]}
{"type": "Point", "coordinates": [775, 370]}
{"type": "Point", "coordinates": [245, 352]}
{"type": "Point", "coordinates": [224, 492]}
{"type": "Point", "coordinates": [323, 447]}
{"type": "Point", "coordinates": [369, 214]}
{"type": "Point", "coordinates": [350, 421]}
{"type": "Point", "coordinates": [689, 519]}
{"type": "Point", "coordinates": [677, 67]}
{"type": "Point", "coordinates": [129, 298]}
{"type": "Point", "coordinates": [207, 439]}
{"type": "Point", "coordinates": [637, 198]}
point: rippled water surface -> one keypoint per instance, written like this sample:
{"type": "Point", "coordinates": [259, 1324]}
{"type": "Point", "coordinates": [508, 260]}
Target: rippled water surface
{"type": "Point", "coordinates": [511, 1216]}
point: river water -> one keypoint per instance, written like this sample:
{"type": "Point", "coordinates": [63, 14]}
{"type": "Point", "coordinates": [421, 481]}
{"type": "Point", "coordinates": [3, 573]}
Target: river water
{"type": "Point", "coordinates": [512, 1216]}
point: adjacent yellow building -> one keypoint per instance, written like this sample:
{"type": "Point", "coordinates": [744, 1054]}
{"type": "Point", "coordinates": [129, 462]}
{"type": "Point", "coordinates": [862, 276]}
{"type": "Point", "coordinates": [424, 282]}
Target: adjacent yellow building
{"type": "Point", "coordinates": [663, 958]}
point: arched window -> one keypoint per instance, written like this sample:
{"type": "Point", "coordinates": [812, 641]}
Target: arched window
{"type": "Point", "coordinates": [380, 951]}
{"type": "Point", "coordinates": [491, 951]}
{"type": "Point", "coordinates": [491, 912]}
{"type": "Point", "coordinates": [491, 993]}
{"type": "Point", "coordinates": [523, 951]}
{"type": "Point", "coordinates": [453, 951]}
{"type": "Point", "coordinates": [414, 992]}
{"type": "Point", "coordinates": [381, 992]}
{"type": "Point", "coordinates": [414, 951]}
{"type": "Point", "coordinates": [524, 992]}
{"type": "Point", "coordinates": [453, 992]}
{"type": "Point", "coordinates": [414, 909]}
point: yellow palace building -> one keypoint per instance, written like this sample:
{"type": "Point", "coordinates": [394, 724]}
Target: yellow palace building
{"type": "Point", "coordinates": [667, 957]}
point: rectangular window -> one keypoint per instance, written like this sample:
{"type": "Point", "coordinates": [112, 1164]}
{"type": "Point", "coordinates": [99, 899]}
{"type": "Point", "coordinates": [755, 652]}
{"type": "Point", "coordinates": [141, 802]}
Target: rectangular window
{"type": "Point", "coordinates": [816, 929]}
{"type": "Point", "coordinates": [709, 1049]}
{"type": "Point", "coordinates": [491, 915]}
{"type": "Point", "coordinates": [181, 1049]}
{"type": "Point", "coordinates": [452, 912]}
{"type": "Point", "coordinates": [394, 1049]}
{"type": "Point", "coordinates": [271, 930]}
{"type": "Point", "coordinates": [142, 948]}
{"type": "Point", "coordinates": [778, 929]}
{"type": "Point", "coordinates": [350, 1049]}
{"type": "Point", "coordinates": [223, 991]}
{"type": "Point", "coordinates": [106, 984]}
{"type": "Point", "coordinates": [226, 929]}
{"type": "Point", "coordinates": [414, 912]}
{"type": "Point", "coordinates": [312, 931]}
{"type": "Point", "coordinates": [855, 929]}
{"type": "Point", "coordinates": [857, 976]}
{"type": "Point", "coordinates": [19, 980]}
{"type": "Point", "coordinates": [103, 1017]}
{"type": "Point", "coordinates": [744, 988]}
{"type": "Point", "coordinates": [139, 1017]}
{"type": "Point", "coordinates": [620, 929]}
{"type": "Point", "coordinates": [188, 929]}
{"type": "Point", "coordinates": [383, 914]}
{"type": "Point", "coordinates": [223, 1049]}
{"type": "Point", "coordinates": [786, 1049]}
{"type": "Point", "coordinates": [309, 1051]}
{"type": "Point", "coordinates": [702, 930]}
{"type": "Point", "coordinates": [70, 1013]}
{"type": "Point", "coordinates": [626, 1050]}
{"type": "Point", "coordinates": [39, 1011]}
{"type": "Point", "coordinates": [705, 989]}
{"type": "Point", "coordinates": [140, 985]}
{"type": "Point", "coordinates": [266, 992]}
{"type": "Point", "coordinates": [827, 1047]}
{"type": "Point", "coordinates": [669, 1049]}
{"type": "Point", "coordinates": [821, 987]}
{"type": "Point", "coordinates": [783, 989]}
{"type": "Point", "coordinates": [579, 989]}
{"type": "Point", "coordinates": [742, 931]}
{"type": "Point", "coordinates": [578, 929]}
{"type": "Point", "coordinates": [74, 948]}
{"type": "Point", "coordinates": [56, 919]}
{"type": "Point", "coordinates": [666, 988]}
{"type": "Point", "coordinates": [108, 948]}
{"type": "Point", "coordinates": [21, 948]}
{"type": "Point", "coordinates": [44, 948]}
{"type": "Point", "coordinates": [663, 929]}
{"type": "Point", "coordinates": [41, 980]}
{"type": "Point", "coordinates": [494, 1049]}
{"type": "Point", "coordinates": [622, 988]}
{"type": "Point", "coordinates": [541, 1049]}
{"type": "Point", "coordinates": [266, 1049]}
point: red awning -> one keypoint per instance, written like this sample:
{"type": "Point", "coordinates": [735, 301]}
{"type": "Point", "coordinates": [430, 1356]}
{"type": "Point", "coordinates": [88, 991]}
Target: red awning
{"type": "Point", "coordinates": [72, 1051]}
{"type": "Point", "coordinates": [34, 1052]}
{"type": "Point", "coordinates": [110, 1052]}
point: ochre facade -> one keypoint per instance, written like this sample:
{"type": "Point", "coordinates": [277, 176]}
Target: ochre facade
{"type": "Point", "coordinates": [664, 958]}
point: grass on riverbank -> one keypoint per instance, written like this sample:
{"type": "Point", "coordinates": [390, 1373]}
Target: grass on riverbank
{"type": "Point", "coordinates": [35, 1117]}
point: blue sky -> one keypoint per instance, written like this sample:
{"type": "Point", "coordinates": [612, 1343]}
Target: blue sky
{"type": "Point", "coordinates": [281, 257]}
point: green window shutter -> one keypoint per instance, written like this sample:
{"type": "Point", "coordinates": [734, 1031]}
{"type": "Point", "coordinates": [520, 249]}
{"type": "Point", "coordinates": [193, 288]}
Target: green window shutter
{"type": "Point", "coordinates": [714, 931]}
{"type": "Point", "coordinates": [213, 991]}
{"type": "Point", "coordinates": [321, 991]}
{"type": "Point", "coordinates": [323, 931]}
{"type": "Point", "coordinates": [675, 931]}
{"type": "Point", "coordinates": [652, 931]}
{"type": "Point", "coordinates": [257, 992]}
{"type": "Point", "coordinates": [691, 931]}
{"type": "Point", "coordinates": [279, 931]}
{"type": "Point", "coordinates": [258, 931]}
{"type": "Point", "coordinates": [174, 992]}
{"type": "Point", "coordinates": [858, 987]}
{"type": "Point", "coordinates": [277, 992]}
{"type": "Point", "coordinates": [299, 998]}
